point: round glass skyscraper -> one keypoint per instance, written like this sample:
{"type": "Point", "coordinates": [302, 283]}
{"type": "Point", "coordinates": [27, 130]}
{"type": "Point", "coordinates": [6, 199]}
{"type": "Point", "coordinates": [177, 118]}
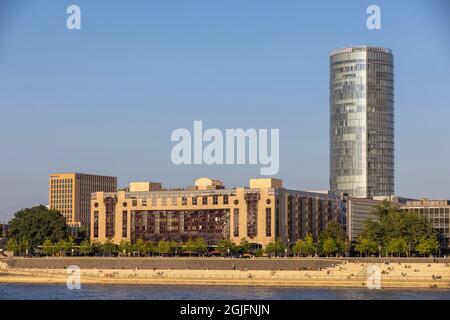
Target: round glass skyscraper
{"type": "Point", "coordinates": [362, 121]}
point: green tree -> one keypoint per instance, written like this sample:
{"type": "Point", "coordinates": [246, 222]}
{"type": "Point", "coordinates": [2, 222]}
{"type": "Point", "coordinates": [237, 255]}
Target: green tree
{"type": "Point", "coordinates": [275, 247]}
{"type": "Point", "coordinates": [333, 230]}
{"type": "Point", "coordinates": [297, 249]}
{"type": "Point", "coordinates": [150, 248]}
{"type": "Point", "coordinates": [330, 246]}
{"type": "Point", "coordinates": [12, 246]}
{"type": "Point", "coordinates": [71, 244]}
{"type": "Point", "coordinates": [391, 223]}
{"type": "Point", "coordinates": [305, 246]}
{"type": "Point", "coordinates": [25, 246]}
{"type": "Point", "coordinates": [397, 246]}
{"type": "Point", "coordinates": [164, 247]}
{"type": "Point", "coordinates": [109, 247]}
{"type": "Point", "coordinates": [385, 208]}
{"type": "Point", "coordinates": [97, 247]}
{"type": "Point", "coordinates": [366, 246]}
{"type": "Point", "coordinates": [227, 245]}
{"type": "Point", "coordinates": [244, 246]}
{"type": "Point", "coordinates": [62, 247]}
{"type": "Point", "coordinates": [86, 247]}
{"type": "Point", "coordinates": [427, 246]}
{"type": "Point", "coordinates": [200, 246]}
{"type": "Point", "coordinates": [173, 246]}
{"type": "Point", "coordinates": [124, 247]}
{"type": "Point", "coordinates": [190, 245]}
{"type": "Point", "coordinates": [258, 252]}
{"type": "Point", "coordinates": [48, 248]}
{"type": "Point", "coordinates": [33, 226]}
{"type": "Point", "coordinates": [140, 246]}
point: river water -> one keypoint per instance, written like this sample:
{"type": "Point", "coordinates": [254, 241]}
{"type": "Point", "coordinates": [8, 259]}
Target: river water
{"type": "Point", "coordinates": [170, 292]}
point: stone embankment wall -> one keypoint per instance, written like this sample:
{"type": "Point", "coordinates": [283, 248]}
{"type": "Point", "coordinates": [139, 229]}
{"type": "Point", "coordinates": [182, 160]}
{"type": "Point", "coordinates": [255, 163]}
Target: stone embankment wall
{"type": "Point", "coordinates": [174, 263]}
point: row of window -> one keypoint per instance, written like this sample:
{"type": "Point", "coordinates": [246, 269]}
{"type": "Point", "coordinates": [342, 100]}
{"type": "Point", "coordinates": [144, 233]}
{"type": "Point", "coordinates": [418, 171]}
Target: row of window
{"type": "Point", "coordinates": [184, 201]}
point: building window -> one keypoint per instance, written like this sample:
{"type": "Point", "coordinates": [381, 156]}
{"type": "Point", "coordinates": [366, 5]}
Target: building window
{"type": "Point", "coordinates": [95, 224]}
{"type": "Point", "coordinates": [268, 222]}
{"type": "Point", "coordinates": [215, 199]}
{"type": "Point", "coordinates": [225, 199]}
{"type": "Point", "coordinates": [205, 200]}
{"type": "Point", "coordinates": [252, 214]}
{"type": "Point", "coordinates": [194, 201]}
{"type": "Point", "coordinates": [184, 201]}
{"type": "Point", "coordinates": [236, 222]}
{"type": "Point", "coordinates": [124, 224]}
{"type": "Point", "coordinates": [110, 205]}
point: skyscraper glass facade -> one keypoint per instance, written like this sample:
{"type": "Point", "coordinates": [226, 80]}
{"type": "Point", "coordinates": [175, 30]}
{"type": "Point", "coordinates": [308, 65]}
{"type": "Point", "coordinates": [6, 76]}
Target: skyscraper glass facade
{"type": "Point", "coordinates": [362, 121]}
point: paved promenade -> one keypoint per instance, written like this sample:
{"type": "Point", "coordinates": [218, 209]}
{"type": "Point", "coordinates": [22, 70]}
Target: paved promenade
{"type": "Point", "coordinates": [343, 274]}
{"type": "Point", "coordinates": [194, 263]}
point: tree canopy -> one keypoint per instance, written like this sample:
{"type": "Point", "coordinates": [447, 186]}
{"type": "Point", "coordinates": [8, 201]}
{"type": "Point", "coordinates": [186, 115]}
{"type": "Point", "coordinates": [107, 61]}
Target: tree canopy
{"type": "Point", "coordinates": [333, 239]}
{"type": "Point", "coordinates": [32, 226]}
{"type": "Point", "coordinates": [305, 246]}
{"type": "Point", "coordinates": [275, 247]}
{"type": "Point", "coordinates": [397, 232]}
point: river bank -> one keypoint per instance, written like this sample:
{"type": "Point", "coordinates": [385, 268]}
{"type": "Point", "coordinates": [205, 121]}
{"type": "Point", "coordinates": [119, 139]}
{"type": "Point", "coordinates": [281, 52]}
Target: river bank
{"type": "Point", "coordinates": [337, 275]}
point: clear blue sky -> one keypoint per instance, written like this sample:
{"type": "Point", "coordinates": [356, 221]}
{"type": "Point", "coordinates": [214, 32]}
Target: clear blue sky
{"type": "Point", "coordinates": [106, 98]}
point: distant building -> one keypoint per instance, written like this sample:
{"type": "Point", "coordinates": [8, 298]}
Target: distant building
{"type": "Point", "coordinates": [437, 212]}
{"type": "Point", "coordinates": [144, 186]}
{"type": "Point", "coordinates": [208, 184]}
{"type": "Point", "coordinates": [261, 213]}
{"type": "Point", "coordinates": [362, 121]}
{"type": "Point", "coordinates": [70, 194]}
{"type": "Point", "coordinates": [358, 212]}
{"type": "Point", "coordinates": [395, 199]}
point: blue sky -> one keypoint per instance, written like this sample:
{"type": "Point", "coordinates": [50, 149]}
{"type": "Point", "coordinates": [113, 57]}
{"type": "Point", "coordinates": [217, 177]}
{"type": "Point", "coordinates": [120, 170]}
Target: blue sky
{"type": "Point", "coordinates": [105, 99]}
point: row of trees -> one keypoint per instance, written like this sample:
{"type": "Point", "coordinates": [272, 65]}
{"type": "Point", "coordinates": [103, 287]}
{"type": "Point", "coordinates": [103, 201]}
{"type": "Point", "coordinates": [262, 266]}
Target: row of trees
{"type": "Point", "coordinates": [331, 241]}
{"type": "Point", "coordinates": [393, 232]}
{"type": "Point", "coordinates": [141, 248]}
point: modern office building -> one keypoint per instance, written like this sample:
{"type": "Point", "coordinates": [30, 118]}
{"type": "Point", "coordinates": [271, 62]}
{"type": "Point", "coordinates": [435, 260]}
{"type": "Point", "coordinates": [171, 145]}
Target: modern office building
{"type": "Point", "coordinates": [362, 121]}
{"type": "Point", "coordinates": [260, 213]}
{"type": "Point", "coordinates": [70, 194]}
{"type": "Point", "coordinates": [437, 212]}
{"type": "Point", "coordinates": [358, 211]}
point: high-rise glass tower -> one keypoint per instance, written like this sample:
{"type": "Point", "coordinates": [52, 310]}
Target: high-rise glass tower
{"type": "Point", "coordinates": [362, 121]}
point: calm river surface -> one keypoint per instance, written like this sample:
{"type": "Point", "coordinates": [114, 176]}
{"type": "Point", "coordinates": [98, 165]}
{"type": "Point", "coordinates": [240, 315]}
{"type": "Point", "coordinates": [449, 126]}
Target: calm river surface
{"type": "Point", "coordinates": [166, 292]}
